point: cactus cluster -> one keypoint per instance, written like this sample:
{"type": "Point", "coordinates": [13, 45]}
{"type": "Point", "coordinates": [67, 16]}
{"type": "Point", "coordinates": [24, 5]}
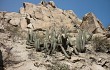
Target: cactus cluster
{"type": "Point", "coordinates": [33, 40]}
{"type": "Point", "coordinates": [54, 40]}
{"type": "Point", "coordinates": [51, 42]}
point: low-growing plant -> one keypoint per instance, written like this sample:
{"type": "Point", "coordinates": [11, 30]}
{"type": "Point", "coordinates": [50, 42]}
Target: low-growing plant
{"type": "Point", "coordinates": [101, 44]}
{"type": "Point", "coordinates": [59, 66]}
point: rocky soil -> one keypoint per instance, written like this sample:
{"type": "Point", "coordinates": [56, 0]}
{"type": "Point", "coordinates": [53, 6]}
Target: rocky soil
{"type": "Point", "coordinates": [16, 55]}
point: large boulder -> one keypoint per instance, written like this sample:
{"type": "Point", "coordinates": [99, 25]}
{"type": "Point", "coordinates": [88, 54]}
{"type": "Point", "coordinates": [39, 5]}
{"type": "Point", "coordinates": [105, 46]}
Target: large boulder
{"type": "Point", "coordinates": [9, 15]}
{"type": "Point", "coordinates": [44, 16]}
{"type": "Point", "coordinates": [92, 24]}
{"type": "Point", "coordinates": [23, 23]}
{"type": "Point", "coordinates": [15, 21]}
{"type": "Point", "coordinates": [108, 28]}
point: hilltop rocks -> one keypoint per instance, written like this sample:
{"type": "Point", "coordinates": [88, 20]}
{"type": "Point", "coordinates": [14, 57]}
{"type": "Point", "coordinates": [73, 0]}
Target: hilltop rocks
{"type": "Point", "coordinates": [108, 28]}
{"type": "Point", "coordinates": [92, 24]}
{"type": "Point", "coordinates": [52, 4]}
{"type": "Point", "coordinates": [43, 17]}
{"type": "Point", "coordinates": [11, 15]}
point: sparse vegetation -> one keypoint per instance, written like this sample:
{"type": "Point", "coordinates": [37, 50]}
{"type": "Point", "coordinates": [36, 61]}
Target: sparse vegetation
{"type": "Point", "coordinates": [101, 44]}
{"type": "Point", "coordinates": [51, 42]}
{"type": "Point", "coordinates": [59, 66]}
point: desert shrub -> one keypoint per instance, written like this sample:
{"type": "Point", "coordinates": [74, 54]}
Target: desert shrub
{"type": "Point", "coordinates": [59, 66]}
{"type": "Point", "coordinates": [101, 44]}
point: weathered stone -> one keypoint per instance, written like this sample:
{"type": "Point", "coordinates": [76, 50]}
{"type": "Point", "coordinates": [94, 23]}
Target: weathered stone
{"type": "Point", "coordinates": [52, 4]}
{"type": "Point", "coordinates": [21, 11]}
{"type": "Point", "coordinates": [108, 28]}
{"type": "Point", "coordinates": [29, 7]}
{"type": "Point", "coordinates": [97, 67]}
{"type": "Point", "coordinates": [41, 16]}
{"type": "Point", "coordinates": [10, 15]}
{"type": "Point", "coordinates": [92, 24]}
{"type": "Point", "coordinates": [15, 21]}
{"type": "Point", "coordinates": [98, 35]}
{"type": "Point", "coordinates": [38, 15]}
{"type": "Point", "coordinates": [23, 23]}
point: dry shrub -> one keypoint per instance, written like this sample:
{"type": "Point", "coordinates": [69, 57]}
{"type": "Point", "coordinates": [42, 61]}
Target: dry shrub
{"type": "Point", "coordinates": [59, 66]}
{"type": "Point", "coordinates": [101, 44]}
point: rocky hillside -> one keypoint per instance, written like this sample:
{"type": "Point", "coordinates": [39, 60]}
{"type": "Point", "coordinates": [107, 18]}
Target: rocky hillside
{"type": "Point", "coordinates": [27, 39]}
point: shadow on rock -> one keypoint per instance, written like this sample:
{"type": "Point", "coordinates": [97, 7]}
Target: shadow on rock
{"type": "Point", "coordinates": [1, 61]}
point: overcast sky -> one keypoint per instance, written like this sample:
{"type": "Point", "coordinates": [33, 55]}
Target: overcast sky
{"type": "Point", "coordinates": [101, 8]}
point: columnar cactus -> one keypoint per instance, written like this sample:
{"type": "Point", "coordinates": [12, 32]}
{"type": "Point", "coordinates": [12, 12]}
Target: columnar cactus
{"type": "Point", "coordinates": [30, 38]}
{"type": "Point", "coordinates": [37, 44]}
{"type": "Point", "coordinates": [63, 50]}
{"type": "Point", "coordinates": [81, 41]}
{"type": "Point", "coordinates": [53, 41]}
{"type": "Point", "coordinates": [46, 40]}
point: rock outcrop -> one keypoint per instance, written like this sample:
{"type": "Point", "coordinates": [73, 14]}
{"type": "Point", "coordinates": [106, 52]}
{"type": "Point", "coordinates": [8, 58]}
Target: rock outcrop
{"type": "Point", "coordinates": [45, 16]}
{"type": "Point", "coordinates": [92, 24]}
{"type": "Point", "coordinates": [108, 28]}
{"type": "Point", "coordinates": [41, 16]}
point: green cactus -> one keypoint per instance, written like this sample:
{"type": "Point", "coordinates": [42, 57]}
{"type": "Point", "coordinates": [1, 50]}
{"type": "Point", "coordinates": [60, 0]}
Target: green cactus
{"type": "Point", "coordinates": [34, 36]}
{"type": "Point", "coordinates": [54, 46]}
{"type": "Point", "coordinates": [30, 40]}
{"type": "Point", "coordinates": [81, 41]}
{"type": "Point", "coordinates": [37, 44]}
{"type": "Point", "coordinates": [46, 46]}
{"type": "Point", "coordinates": [59, 39]}
{"type": "Point", "coordinates": [75, 51]}
{"type": "Point", "coordinates": [46, 41]}
{"type": "Point", "coordinates": [53, 41]}
{"type": "Point", "coordinates": [63, 50]}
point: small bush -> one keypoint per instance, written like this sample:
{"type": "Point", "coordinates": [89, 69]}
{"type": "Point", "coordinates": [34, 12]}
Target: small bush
{"type": "Point", "coordinates": [59, 66]}
{"type": "Point", "coordinates": [101, 44]}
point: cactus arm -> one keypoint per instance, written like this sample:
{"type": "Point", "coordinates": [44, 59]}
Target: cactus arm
{"type": "Point", "coordinates": [75, 51]}
{"type": "Point", "coordinates": [63, 50]}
